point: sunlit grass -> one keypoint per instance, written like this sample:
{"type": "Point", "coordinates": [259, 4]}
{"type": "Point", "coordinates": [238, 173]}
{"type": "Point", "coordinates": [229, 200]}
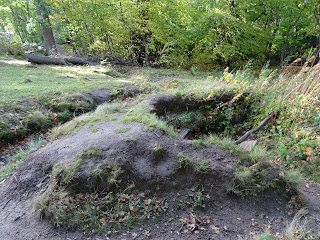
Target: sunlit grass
{"type": "Point", "coordinates": [47, 80]}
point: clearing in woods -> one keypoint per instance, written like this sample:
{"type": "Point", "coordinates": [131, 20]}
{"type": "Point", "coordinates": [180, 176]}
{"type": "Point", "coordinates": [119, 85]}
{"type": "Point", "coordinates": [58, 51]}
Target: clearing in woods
{"type": "Point", "coordinates": [140, 153]}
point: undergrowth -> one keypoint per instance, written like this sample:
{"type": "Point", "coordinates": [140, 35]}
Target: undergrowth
{"type": "Point", "coordinates": [95, 211]}
{"type": "Point", "coordinates": [18, 158]}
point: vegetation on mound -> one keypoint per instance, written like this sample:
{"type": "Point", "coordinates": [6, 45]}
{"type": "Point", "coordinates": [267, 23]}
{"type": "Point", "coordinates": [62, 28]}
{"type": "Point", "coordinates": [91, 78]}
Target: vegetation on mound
{"type": "Point", "coordinates": [292, 134]}
{"type": "Point", "coordinates": [103, 111]}
{"type": "Point", "coordinates": [107, 199]}
{"type": "Point", "coordinates": [295, 230]}
{"type": "Point", "coordinates": [66, 204]}
{"type": "Point", "coordinates": [256, 173]}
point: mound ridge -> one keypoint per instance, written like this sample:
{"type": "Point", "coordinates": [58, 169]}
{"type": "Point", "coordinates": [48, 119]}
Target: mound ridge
{"type": "Point", "coordinates": [116, 157]}
{"type": "Point", "coordinates": [133, 149]}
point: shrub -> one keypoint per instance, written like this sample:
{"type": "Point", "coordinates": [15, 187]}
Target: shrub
{"type": "Point", "coordinates": [37, 122]}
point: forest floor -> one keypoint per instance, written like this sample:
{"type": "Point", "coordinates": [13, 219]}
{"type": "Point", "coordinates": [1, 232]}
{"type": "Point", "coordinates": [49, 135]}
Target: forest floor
{"type": "Point", "coordinates": [160, 186]}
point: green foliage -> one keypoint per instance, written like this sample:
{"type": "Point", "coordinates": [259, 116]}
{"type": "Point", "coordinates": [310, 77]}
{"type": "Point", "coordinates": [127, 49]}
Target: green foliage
{"type": "Point", "coordinates": [92, 151]}
{"type": "Point", "coordinates": [142, 115]}
{"type": "Point", "coordinates": [37, 121]}
{"type": "Point", "coordinates": [4, 130]}
{"type": "Point", "coordinates": [196, 199]}
{"type": "Point", "coordinates": [18, 158]}
{"type": "Point", "coordinates": [192, 34]}
{"type": "Point", "coordinates": [93, 129]}
{"type": "Point", "coordinates": [198, 143]}
{"type": "Point", "coordinates": [202, 166]}
{"type": "Point", "coordinates": [157, 148]}
{"type": "Point", "coordinates": [70, 172]}
{"type": "Point", "coordinates": [187, 163]}
{"type": "Point", "coordinates": [184, 161]}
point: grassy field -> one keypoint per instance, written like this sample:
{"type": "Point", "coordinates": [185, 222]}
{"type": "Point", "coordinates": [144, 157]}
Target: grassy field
{"type": "Point", "coordinates": [53, 80]}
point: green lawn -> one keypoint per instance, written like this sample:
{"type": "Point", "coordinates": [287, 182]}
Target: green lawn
{"type": "Point", "coordinates": [52, 80]}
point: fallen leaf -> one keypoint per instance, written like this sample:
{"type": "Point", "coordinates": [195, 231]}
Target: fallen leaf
{"type": "Point", "coordinates": [215, 229]}
{"type": "Point", "coordinates": [207, 218]}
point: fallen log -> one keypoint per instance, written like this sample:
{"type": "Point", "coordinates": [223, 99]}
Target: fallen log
{"type": "Point", "coordinates": [247, 134]}
{"type": "Point", "coordinates": [78, 61]}
{"type": "Point", "coordinates": [45, 60]}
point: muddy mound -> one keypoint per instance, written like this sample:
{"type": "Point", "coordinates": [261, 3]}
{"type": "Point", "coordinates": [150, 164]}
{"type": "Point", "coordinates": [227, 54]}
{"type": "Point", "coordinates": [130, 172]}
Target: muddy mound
{"type": "Point", "coordinates": [149, 157]}
{"type": "Point", "coordinates": [112, 176]}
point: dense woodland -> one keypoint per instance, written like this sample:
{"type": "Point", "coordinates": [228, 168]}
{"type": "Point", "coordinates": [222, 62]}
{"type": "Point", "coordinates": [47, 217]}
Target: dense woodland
{"type": "Point", "coordinates": [172, 33]}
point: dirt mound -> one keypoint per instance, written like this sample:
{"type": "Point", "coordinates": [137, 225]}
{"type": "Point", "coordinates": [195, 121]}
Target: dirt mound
{"type": "Point", "coordinates": [145, 173]}
{"type": "Point", "coordinates": [148, 157]}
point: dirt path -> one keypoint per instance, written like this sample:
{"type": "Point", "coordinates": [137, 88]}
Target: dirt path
{"type": "Point", "coordinates": [14, 61]}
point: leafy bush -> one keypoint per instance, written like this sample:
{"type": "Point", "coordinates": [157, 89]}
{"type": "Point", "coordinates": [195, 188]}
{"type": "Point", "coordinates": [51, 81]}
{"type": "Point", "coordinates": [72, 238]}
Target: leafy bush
{"type": "Point", "coordinates": [11, 46]}
{"type": "Point", "coordinates": [37, 122]}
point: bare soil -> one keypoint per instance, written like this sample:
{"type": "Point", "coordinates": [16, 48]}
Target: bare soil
{"type": "Point", "coordinates": [223, 217]}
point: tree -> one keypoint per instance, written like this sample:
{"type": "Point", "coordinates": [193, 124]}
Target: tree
{"type": "Point", "coordinates": [42, 9]}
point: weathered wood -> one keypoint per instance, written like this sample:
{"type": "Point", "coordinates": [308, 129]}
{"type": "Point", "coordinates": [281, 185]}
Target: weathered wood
{"type": "Point", "coordinates": [247, 134]}
{"type": "Point", "coordinates": [45, 60]}
{"type": "Point", "coordinates": [78, 60]}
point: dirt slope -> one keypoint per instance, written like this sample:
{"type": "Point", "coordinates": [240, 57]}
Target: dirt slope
{"type": "Point", "coordinates": [230, 217]}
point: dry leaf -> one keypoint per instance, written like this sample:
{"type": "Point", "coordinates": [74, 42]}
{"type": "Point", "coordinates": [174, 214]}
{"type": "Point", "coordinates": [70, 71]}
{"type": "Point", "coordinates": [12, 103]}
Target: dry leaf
{"type": "Point", "coordinates": [215, 229]}
{"type": "Point", "coordinates": [255, 224]}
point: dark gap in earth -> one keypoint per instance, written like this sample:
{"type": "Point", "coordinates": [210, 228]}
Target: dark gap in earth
{"type": "Point", "coordinates": [199, 117]}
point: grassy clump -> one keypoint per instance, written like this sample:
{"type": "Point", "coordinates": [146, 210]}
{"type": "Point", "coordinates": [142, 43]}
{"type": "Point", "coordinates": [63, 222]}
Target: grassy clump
{"type": "Point", "coordinates": [198, 143]}
{"type": "Point", "coordinates": [37, 121]}
{"type": "Point", "coordinates": [157, 147]}
{"type": "Point", "coordinates": [75, 102]}
{"type": "Point", "coordinates": [187, 163]}
{"type": "Point", "coordinates": [295, 230]}
{"type": "Point", "coordinates": [259, 177]}
{"type": "Point", "coordinates": [140, 114]}
{"type": "Point", "coordinates": [255, 172]}
{"type": "Point", "coordinates": [4, 130]}
{"type": "Point", "coordinates": [100, 113]}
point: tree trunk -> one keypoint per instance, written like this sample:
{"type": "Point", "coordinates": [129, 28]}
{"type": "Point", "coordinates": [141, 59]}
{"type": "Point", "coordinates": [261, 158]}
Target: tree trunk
{"type": "Point", "coordinates": [48, 37]}
{"type": "Point", "coordinates": [45, 60]}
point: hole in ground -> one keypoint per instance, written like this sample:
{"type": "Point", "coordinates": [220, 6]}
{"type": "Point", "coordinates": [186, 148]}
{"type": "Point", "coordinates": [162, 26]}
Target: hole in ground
{"type": "Point", "coordinates": [193, 118]}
